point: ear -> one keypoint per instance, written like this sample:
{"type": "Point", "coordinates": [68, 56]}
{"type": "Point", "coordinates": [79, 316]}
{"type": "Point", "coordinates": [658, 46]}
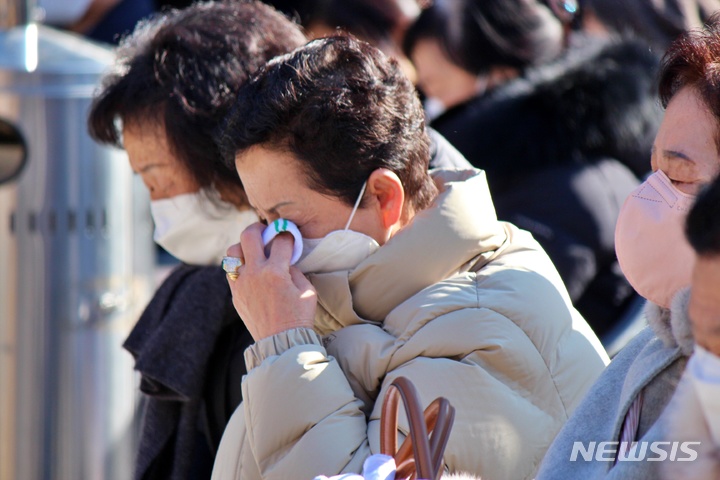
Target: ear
{"type": "Point", "coordinates": [387, 189]}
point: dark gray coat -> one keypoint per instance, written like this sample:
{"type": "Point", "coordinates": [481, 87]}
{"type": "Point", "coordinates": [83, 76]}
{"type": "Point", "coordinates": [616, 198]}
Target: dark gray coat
{"type": "Point", "coordinates": [188, 347]}
{"type": "Point", "coordinates": [562, 147]}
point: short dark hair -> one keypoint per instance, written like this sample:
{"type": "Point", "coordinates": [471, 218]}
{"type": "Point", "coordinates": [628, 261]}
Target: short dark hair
{"type": "Point", "coordinates": [693, 60]}
{"type": "Point", "coordinates": [182, 69]}
{"type": "Point", "coordinates": [702, 226]}
{"type": "Point", "coordinates": [479, 34]}
{"type": "Point", "coordinates": [341, 107]}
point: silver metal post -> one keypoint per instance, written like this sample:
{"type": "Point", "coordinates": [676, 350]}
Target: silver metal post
{"type": "Point", "coordinates": [76, 263]}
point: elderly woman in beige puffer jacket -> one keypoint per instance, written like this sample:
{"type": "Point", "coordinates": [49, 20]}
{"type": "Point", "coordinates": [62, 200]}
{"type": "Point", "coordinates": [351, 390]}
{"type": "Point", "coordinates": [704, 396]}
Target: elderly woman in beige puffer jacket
{"type": "Point", "coordinates": [403, 273]}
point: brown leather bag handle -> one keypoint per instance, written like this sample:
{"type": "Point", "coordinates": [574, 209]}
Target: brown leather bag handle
{"type": "Point", "coordinates": [419, 456]}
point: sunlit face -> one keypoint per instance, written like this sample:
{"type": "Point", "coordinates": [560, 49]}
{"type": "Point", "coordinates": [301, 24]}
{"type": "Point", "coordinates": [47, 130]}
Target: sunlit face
{"type": "Point", "coordinates": [685, 148]}
{"type": "Point", "coordinates": [150, 157]}
{"type": "Point", "coordinates": [704, 307]}
{"type": "Point", "coordinates": [276, 188]}
{"type": "Point", "coordinates": [439, 78]}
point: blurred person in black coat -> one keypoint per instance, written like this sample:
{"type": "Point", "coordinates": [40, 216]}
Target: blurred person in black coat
{"type": "Point", "coordinates": [564, 133]}
{"type": "Point", "coordinates": [658, 22]}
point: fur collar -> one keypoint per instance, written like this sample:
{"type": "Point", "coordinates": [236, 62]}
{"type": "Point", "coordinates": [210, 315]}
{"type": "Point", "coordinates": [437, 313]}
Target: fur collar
{"type": "Point", "coordinates": [672, 325]}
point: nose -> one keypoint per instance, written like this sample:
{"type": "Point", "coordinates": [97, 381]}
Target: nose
{"type": "Point", "coordinates": [655, 163]}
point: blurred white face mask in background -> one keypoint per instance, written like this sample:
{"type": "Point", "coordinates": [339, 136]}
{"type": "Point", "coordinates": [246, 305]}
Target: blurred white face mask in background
{"type": "Point", "coordinates": [434, 107]}
{"type": "Point", "coordinates": [196, 229]}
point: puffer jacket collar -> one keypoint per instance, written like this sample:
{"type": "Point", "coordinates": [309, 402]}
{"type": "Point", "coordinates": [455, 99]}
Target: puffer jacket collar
{"type": "Point", "coordinates": [459, 230]}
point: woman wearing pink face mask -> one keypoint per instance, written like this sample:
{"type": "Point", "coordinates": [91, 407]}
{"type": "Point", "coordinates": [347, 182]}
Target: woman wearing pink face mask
{"type": "Point", "coordinates": [627, 403]}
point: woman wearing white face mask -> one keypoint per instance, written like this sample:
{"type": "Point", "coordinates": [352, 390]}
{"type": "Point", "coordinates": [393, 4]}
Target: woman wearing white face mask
{"type": "Point", "coordinates": [177, 75]}
{"type": "Point", "coordinates": [410, 274]}
{"type": "Point", "coordinates": [628, 402]}
{"type": "Point", "coordinates": [194, 224]}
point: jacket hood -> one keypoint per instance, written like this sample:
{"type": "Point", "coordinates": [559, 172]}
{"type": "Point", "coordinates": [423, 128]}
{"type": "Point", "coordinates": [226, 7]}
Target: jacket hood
{"type": "Point", "coordinates": [450, 236]}
{"type": "Point", "coordinates": [597, 101]}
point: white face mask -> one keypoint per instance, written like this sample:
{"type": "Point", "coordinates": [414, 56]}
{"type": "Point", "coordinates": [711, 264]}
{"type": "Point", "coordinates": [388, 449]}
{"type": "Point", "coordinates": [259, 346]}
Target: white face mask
{"type": "Point", "coordinates": [339, 250]}
{"type": "Point", "coordinates": [197, 230]}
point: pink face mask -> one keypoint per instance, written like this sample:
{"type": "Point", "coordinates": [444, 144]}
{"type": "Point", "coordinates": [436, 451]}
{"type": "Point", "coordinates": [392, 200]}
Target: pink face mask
{"type": "Point", "coordinates": [650, 239]}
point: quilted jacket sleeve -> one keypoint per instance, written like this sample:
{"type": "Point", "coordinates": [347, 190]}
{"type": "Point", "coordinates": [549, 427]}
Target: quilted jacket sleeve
{"type": "Point", "coordinates": [301, 416]}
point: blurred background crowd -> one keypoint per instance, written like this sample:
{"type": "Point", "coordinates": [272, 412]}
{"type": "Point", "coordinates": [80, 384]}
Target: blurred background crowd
{"type": "Point", "coordinates": [555, 99]}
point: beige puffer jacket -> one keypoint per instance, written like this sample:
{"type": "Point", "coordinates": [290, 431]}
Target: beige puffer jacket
{"type": "Point", "coordinates": [464, 306]}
